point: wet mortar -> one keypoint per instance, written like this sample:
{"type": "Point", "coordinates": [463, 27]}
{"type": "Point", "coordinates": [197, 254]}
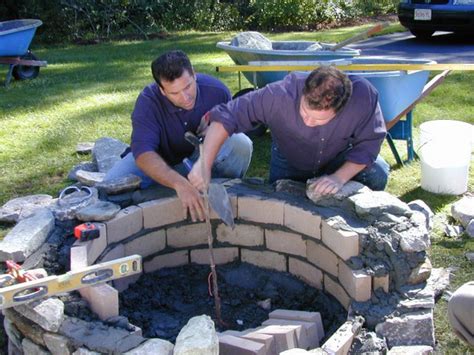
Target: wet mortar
{"type": "Point", "coordinates": [162, 302]}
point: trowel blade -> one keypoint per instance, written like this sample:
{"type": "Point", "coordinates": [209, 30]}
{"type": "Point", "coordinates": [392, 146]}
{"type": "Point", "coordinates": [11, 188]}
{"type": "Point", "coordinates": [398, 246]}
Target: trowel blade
{"type": "Point", "coordinates": [220, 203]}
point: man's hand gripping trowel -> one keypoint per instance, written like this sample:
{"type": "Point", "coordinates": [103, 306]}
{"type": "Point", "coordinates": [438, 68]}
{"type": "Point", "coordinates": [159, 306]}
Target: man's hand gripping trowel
{"type": "Point", "coordinates": [217, 194]}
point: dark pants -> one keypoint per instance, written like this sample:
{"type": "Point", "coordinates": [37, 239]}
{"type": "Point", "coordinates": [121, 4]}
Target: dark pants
{"type": "Point", "coordinates": [375, 176]}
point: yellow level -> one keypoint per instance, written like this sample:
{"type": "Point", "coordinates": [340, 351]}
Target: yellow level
{"type": "Point", "coordinates": [366, 67]}
{"type": "Point", "coordinates": [47, 286]}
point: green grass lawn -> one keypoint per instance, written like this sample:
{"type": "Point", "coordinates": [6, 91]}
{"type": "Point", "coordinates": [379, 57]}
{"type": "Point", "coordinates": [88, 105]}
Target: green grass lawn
{"type": "Point", "coordinates": [88, 92]}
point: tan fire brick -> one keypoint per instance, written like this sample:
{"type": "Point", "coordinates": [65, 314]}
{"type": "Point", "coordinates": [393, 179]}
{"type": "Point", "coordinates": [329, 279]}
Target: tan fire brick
{"type": "Point", "coordinates": [262, 211]}
{"type": "Point", "coordinates": [284, 335]}
{"type": "Point", "coordinates": [78, 256]}
{"type": "Point", "coordinates": [94, 247]}
{"type": "Point", "coordinates": [243, 234]}
{"type": "Point", "coordinates": [189, 235]}
{"type": "Point", "coordinates": [103, 300]}
{"type": "Point", "coordinates": [306, 272]}
{"type": "Point", "coordinates": [340, 342]}
{"type": "Point", "coordinates": [304, 316]}
{"type": "Point", "coordinates": [265, 259]}
{"type": "Point", "coordinates": [233, 204]}
{"type": "Point", "coordinates": [161, 212]}
{"type": "Point", "coordinates": [322, 257]}
{"type": "Point", "coordinates": [285, 242]}
{"type": "Point", "coordinates": [343, 243]}
{"type": "Point", "coordinates": [232, 345]}
{"type": "Point", "coordinates": [147, 244]}
{"type": "Point", "coordinates": [302, 221]}
{"type": "Point", "coordinates": [266, 339]}
{"type": "Point", "coordinates": [302, 331]}
{"type": "Point", "coordinates": [382, 282]}
{"type": "Point", "coordinates": [126, 223]}
{"type": "Point", "coordinates": [177, 258]}
{"type": "Point", "coordinates": [357, 283]}
{"type": "Point", "coordinates": [221, 255]}
{"type": "Point", "coordinates": [116, 252]}
{"type": "Point", "coordinates": [337, 291]}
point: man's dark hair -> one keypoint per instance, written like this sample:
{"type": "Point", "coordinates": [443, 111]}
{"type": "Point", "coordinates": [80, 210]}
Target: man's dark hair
{"type": "Point", "coordinates": [170, 66]}
{"type": "Point", "coordinates": [327, 88]}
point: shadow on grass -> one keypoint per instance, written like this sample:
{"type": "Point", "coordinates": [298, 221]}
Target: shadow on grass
{"type": "Point", "coordinates": [436, 202]}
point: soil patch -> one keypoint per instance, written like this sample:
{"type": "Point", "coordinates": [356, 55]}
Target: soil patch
{"type": "Point", "coordinates": [161, 303]}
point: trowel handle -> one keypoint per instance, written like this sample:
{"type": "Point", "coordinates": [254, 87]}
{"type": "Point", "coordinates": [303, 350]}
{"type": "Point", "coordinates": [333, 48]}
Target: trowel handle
{"type": "Point", "coordinates": [192, 138]}
{"type": "Point", "coordinates": [188, 164]}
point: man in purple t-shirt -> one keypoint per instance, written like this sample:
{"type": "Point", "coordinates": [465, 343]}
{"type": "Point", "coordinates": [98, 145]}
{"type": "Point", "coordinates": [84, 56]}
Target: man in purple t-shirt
{"type": "Point", "coordinates": [178, 102]}
{"type": "Point", "coordinates": [324, 124]}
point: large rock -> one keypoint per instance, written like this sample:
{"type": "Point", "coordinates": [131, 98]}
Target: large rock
{"type": "Point", "coordinates": [89, 178]}
{"type": "Point", "coordinates": [67, 205]}
{"type": "Point", "coordinates": [48, 313]}
{"type": "Point", "coordinates": [373, 204]}
{"type": "Point", "coordinates": [27, 236]}
{"type": "Point", "coordinates": [421, 206]}
{"type": "Point", "coordinates": [31, 348]}
{"type": "Point", "coordinates": [85, 166]}
{"type": "Point", "coordinates": [57, 344]}
{"type": "Point", "coordinates": [463, 210]}
{"type": "Point", "coordinates": [197, 337]}
{"type": "Point", "coordinates": [250, 39]}
{"type": "Point", "coordinates": [107, 152]}
{"type": "Point", "coordinates": [120, 185]}
{"type": "Point", "coordinates": [12, 332]}
{"type": "Point", "coordinates": [99, 211]}
{"type": "Point", "coordinates": [151, 347]}
{"type": "Point", "coordinates": [84, 147]}
{"type": "Point", "coordinates": [23, 207]}
{"type": "Point", "coordinates": [421, 273]}
{"type": "Point", "coordinates": [415, 328]}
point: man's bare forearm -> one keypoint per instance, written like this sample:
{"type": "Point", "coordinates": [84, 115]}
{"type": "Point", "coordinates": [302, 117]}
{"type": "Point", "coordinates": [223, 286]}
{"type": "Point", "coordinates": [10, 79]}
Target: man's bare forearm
{"type": "Point", "coordinates": [348, 170]}
{"type": "Point", "coordinates": [153, 165]}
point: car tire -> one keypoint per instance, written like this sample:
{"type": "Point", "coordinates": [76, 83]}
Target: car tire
{"type": "Point", "coordinates": [421, 34]}
{"type": "Point", "coordinates": [26, 72]}
{"type": "Point", "coordinates": [257, 130]}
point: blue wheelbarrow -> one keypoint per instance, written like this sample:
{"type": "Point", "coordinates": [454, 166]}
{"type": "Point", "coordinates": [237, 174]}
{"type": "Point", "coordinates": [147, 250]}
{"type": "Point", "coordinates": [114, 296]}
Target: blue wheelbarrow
{"type": "Point", "coordinates": [15, 39]}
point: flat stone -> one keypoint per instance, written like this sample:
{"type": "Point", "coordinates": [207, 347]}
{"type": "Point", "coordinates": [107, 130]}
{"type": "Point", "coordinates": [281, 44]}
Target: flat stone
{"type": "Point", "coordinates": [416, 303]}
{"type": "Point", "coordinates": [48, 313]}
{"type": "Point", "coordinates": [84, 351]}
{"type": "Point", "coordinates": [292, 187]}
{"type": "Point", "coordinates": [57, 344]}
{"type": "Point", "coordinates": [25, 326]}
{"type": "Point", "coordinates": [349, 189]}
{"type": "Point", "coordinates": [89, 178]}
{"type": "Point", "coordinates": [98, 337]}
{"type": "Point", "coordinates": [27, 236]}
{"type": "Point", "coordinates": [453, 231]}
{"type": "Point", "coordinates": [31, 348]}
{"type": "Point", "coordinates": [12, 332]}
{"type": "Point", "coordinates": [251, 39]}
{"type": "Point", "coordinates": [23, 207]}
{"type": "Point", "coordinates": [470, 229]}
{"type": "Point", "coordinates": [85, 166]}
{"type": "Point", "coordinates": [463, 210]}
{"type": "Point", "coordinates": [197, 337]}
{"type": "Point", "coordinates": [84, 147]}
{"type": "Point", "coordinates": [416, 328]}
{"type": "Point", "coordinates": [120, 185]}
{"type": "Point", "coordinates": [438, 281]}
{"type": "Point", "coordinates": [151, 347]}
{"type": "Point", "coordinates": [411, 350]}
{"type": "Point", "coordinates": [414, 239]}
{"type": "Point", "coordinates": [66, 208]}
{"type": "Point", "coordinates": [421, 273]}
{"type": "Point", "coordinates": [106, 153]}
{"type": "Point", "coordinates": [99, 211]}
{"type": "Point", "coordinates": [421, 206]}
{"type": "Point", "coordinates": [370, 205]}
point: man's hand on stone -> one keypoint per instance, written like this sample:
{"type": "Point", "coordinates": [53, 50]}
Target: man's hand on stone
{"type": "Point", "coordinates": [191, 201]}
{"type": "Point", "coordinates": [327, 185]}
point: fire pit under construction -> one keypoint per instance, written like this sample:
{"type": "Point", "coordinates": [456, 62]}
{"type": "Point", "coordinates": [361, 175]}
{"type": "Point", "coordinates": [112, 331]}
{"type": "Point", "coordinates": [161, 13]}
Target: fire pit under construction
{"type": "Point", "coordinates": [367, 249]}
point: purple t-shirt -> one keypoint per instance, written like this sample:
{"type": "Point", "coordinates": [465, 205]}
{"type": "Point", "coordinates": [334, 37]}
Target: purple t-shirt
{"type": "Point", "coordinates": [359, 124]}
{"type": "Point", "coordinates": [159, 126]}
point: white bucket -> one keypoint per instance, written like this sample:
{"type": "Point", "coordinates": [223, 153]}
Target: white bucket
{"type": "Point", "coordinates": [445, 152]}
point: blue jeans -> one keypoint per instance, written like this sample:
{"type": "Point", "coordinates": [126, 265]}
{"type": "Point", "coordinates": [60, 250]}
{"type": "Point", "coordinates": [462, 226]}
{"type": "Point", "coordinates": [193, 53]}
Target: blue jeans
{"type": "Point", "coordinates": [232, 161]}
{"type": "Point", "coordinates": [374, 176]}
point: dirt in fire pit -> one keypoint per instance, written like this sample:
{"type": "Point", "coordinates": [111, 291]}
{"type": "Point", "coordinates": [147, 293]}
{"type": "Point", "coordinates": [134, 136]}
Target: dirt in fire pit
{"type": "Point", "coordinates": [161, 303]}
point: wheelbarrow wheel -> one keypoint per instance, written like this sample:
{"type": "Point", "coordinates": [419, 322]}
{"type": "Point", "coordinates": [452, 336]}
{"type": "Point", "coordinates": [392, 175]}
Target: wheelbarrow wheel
{"type": "Point", "coordinates": [26, 72]}
{"type": "Point", "coordinates": [258, 130]}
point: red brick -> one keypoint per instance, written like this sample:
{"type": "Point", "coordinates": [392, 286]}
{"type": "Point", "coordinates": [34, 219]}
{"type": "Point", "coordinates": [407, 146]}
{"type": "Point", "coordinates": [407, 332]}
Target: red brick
{"type": "Point", "coordinates": [189, 235]}
{"type": "Point", "coordinates": [337, 291]}
{"type": "Point", "coordinates": [221, 255]}
{"type": "Point", "coordinates": [147, 244]}
{"type": "Point", "coordinates": [126, 223]}
{"type": "Point", "coordinates": [285, 336]}
{"type": "Point", "coordinates": [264, 259]}
{"type": "Point", "coordinates": [306, 272]}
{"type": "Point", "coordinates": [343, 243]}
{"type": "Point", "coordinates": [166, 260]}
{"type": "Point", "coordinates": [231, 345]}
{"type": "Point", "coordinates": [302, 221]}
{"type": "Point", "coordinates": [340, 342]}
{"type": "Point", "coordinates": [266, 339]}
{"type": "Point", "coordinates": [285, 242]}
{"type": "Point", "coordinates": [322, 257]}
{"type": "Point", "coordinates": [161, 212]}
{"type": "Point", "coordinates": [243, 234]}
{"type": "Point", "coordinates": [382, 282]}
{"type": "Point", "coordinates": [301, 330]}
{"type": "Point", "coordinates": [357, 283]}
{"type": "Point", "coordinates": [262, 211]}
{"type": "Point", "coordinates": [311, 317]}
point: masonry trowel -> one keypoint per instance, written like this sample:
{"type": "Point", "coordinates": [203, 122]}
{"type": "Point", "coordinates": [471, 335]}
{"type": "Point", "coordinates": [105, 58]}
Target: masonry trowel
{"type": "Point", "coordinates": [217, 194]}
